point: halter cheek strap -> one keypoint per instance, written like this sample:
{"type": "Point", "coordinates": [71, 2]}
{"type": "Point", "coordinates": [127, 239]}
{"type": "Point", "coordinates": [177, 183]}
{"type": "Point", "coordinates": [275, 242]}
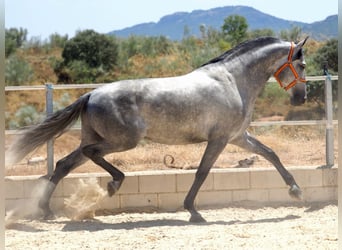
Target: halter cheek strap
{"type": "Point", "coordinates": [289, 65]}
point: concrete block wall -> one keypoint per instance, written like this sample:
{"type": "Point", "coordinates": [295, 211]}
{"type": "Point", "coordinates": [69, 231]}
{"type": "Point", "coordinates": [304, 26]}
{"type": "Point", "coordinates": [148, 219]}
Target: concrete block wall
{"type": "Point", "coordinates": [166, 190]}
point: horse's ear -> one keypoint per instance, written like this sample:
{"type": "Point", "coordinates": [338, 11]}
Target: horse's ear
{"type": "Point", "coordinates": [301, 43]}
{"type": "Point", "coordinates": [298, 52]}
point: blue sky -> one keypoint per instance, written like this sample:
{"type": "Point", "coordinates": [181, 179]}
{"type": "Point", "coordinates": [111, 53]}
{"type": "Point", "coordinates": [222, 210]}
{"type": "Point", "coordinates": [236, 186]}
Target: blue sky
{"type": "Point", "coordinates": [44, 17]}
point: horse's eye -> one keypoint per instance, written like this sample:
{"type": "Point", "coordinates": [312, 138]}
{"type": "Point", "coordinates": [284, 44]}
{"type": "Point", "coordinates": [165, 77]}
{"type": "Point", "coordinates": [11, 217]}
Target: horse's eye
{"type": "Point", "coordinates": [303, 65]}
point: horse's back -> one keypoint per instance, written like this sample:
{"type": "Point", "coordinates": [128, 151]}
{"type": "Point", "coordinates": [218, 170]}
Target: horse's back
{"type": "Point", "coordinates": [175, 110]}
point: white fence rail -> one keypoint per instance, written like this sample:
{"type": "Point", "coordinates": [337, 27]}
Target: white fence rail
{"type": "Point", "coordinates": [329, 122]}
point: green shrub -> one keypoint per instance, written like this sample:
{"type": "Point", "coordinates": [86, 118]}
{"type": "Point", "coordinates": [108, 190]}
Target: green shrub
{"type": "Point", "coordinates": [81, 72]}
{"type": "Point", "coordinates": [63, 101]}
{"type": "Point", "coordinates": [25, 116]}
{"type": "Point", "coordinates": [273, 94]}
{"type": "Point", "coordinates": [17, 71]}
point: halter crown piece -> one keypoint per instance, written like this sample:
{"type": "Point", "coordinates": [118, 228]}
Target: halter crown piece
{"type": "Point", "coordinates": [289, 65]}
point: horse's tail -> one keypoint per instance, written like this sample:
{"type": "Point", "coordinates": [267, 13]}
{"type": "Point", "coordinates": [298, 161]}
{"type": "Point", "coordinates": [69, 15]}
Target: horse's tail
{"type": "Point", "coordinates": [51, 127]}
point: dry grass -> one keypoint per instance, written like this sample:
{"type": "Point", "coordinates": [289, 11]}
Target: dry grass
{"type": "Point", "coordinates": [295, 146]}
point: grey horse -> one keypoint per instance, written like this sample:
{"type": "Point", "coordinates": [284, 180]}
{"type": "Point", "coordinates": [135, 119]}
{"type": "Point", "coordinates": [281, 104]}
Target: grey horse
{"type": "Point", "coordinates": [213, 104]}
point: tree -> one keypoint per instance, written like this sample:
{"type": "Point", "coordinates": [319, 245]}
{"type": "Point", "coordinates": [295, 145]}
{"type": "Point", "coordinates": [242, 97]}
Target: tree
{"type": "Point", "coordinates": [10, 46]}
{"type": "Point", "coordinates": [86, 57]}
{"type": "Point", "coordinates": [186, 32]}
{"type": "Point", "coordinates": [92, 48]}
{"type": "Point", "coordinates": [235, 29]}
{"type": "Point", "coordinates": [292, 34]}
{"type": "Point", "coordinates": [153, 46]}
{"type": "Point", "coordinates": [327, 54]}
{"type": "Point", "coordinates": [129, 47]}
{"type": "Point", "coordinates": [260, 33]}
{"type": "Point", "coordinates": [58, 41]}
{"type": "Point", "coordinates": [14, 38]}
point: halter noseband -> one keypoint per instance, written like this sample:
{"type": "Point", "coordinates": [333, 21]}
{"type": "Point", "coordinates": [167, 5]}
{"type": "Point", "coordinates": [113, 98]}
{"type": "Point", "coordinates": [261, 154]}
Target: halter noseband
{"type": "Point", "coordinates": [293, 70]}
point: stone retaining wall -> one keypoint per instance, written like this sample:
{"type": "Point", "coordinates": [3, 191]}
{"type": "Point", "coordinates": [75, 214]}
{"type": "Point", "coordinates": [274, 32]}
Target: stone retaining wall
{"type": "Point", "coordinates": [166, 190]}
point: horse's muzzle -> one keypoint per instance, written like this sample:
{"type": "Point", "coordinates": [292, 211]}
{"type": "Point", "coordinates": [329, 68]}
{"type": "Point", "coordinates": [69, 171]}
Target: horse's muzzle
{"type": "Point", "coordinates": [297, 100]}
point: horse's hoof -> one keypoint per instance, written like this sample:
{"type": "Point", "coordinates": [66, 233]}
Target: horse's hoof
{"type": "Point", "coordinates": [296, 192]}
{"type": "Point", "coordinates": [113, 187]}
{"type": "Point", "coordinates": [46, 210]}
{"type": "Point", "coordinates": [49, 215]}
{"type": "Point", "coordinates": [197, 218]}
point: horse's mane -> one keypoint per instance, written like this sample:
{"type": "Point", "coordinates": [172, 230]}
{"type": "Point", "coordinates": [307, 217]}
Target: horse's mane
{"type": "Point", "coordinates": [242, 48]}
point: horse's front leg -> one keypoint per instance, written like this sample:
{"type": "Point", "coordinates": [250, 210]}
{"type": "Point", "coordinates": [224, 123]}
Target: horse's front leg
{"type": "Point", "coordinates": [252, 144]}
{"type": "Point", "coordinates": [213, 150]}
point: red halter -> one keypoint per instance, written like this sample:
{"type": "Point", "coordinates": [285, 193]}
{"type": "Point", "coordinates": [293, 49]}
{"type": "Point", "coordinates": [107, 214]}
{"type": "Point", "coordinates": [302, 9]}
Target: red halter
{"type": "Point", "coordinates": [293, 70]}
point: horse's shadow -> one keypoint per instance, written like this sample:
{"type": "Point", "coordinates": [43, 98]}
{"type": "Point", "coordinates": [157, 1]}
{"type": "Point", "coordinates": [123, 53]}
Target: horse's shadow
{"type": "Point", "coordinates": [96, 225]}
{"type": "Point", "coordinates": [24, 228]}
{"type": "Point", "coordinates": [93, 225]}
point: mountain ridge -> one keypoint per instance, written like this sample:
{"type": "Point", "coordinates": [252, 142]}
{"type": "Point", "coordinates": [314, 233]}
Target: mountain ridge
{"type": "Point", "coordinates": [173, 25]}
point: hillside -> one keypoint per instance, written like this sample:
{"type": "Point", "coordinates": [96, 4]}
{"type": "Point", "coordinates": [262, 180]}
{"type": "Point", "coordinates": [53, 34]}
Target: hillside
{"type": "Point", "coordinates": [324, 29]}
{"type": "Point", "coordinates": [172, 25]}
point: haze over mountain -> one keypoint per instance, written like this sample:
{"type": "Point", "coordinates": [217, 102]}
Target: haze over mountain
{"type": "Point", "coordinates": [172, 26]}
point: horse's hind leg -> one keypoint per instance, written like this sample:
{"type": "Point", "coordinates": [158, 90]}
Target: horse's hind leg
{"type": "Point", "coordinates": [63, 168]}
{"type": "Point", "coordinates": [95, 152]}
{"type": "Point", "coordinates": [250, 143]}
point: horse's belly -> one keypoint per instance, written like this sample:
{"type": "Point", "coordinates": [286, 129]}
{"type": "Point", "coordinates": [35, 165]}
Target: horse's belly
{"type": "Point", "coordinates": [175, 140]}
{"type": "Point", "coordinates": [175, 135]}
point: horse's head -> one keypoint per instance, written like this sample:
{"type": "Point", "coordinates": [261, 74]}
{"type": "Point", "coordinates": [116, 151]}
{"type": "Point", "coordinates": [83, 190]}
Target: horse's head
{"type": "Point", "coordinates": [291, 74]}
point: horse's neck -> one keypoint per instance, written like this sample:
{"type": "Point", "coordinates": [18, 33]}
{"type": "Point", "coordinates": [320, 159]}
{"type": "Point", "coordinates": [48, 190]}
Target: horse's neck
{"type": "Point", "coordinates": [252, 70]}
{"type": "Point", "coordinates": [256, 67]}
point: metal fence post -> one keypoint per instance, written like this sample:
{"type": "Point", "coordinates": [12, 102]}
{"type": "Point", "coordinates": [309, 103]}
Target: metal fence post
{"type": "Point", "coordinates": [329, 134]}
{"type": "Point", "coordinates": [49, 111]}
